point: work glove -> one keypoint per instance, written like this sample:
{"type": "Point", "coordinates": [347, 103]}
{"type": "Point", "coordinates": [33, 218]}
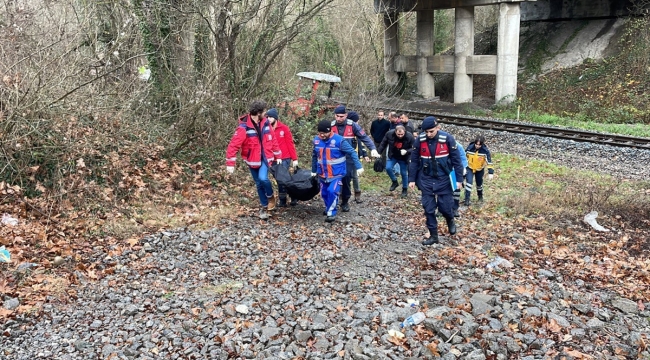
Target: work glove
{"type": "Point", "coordinates": [295, 163]}
{"type": "Point", "coordinates": [490, 176]}
{"type": "Point", "coordinates": [403, 152]}
{"type": "Point", "coordinates": [230, 169]}
{"type": "Point", "coordinates": [374, 154]}
{"type": "Point", "coordinates": [359, 172]}
{"type": "Point", "coordinates": [313, 174]}
{"type": "Point", "coordinates": [278, 161]}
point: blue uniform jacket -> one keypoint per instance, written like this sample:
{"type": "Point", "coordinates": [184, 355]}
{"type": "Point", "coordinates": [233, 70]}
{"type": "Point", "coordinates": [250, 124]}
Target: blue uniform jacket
{"type": "Point", "coordinates": [446, 158]}
{"type": "Point", "coordinates": [329, 157]}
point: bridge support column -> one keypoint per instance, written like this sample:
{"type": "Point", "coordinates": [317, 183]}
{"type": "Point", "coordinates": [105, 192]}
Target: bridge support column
{"type": "Point", "coordinates": [464, 47]}
{"type": "Point", "coordinates": [425, 42]}
{"type": "Point", "coordinates": [507, 53]}
{"type": "Point", "coordinates": [391, 50]}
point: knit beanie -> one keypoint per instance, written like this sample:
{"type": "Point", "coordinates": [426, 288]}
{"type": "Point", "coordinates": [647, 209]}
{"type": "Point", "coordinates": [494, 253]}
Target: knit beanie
{"type": "Point", "coordinates": [273, 112]}
{"type": "Point", "coordinates": [340, 109]}
{"type": "Point", "coordinates": [325, 126]}
{"type": "Point", "coordinates": [352, 115]}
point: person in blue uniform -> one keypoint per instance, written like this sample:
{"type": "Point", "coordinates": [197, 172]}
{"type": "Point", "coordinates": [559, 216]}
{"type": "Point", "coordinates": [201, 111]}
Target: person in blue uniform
{"type": "Point", "coordinates": [328, 162]}
{"type": "Point", "coordinates": [434, 157]}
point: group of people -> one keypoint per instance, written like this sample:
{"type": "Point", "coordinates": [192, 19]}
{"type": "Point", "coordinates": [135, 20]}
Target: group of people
{"type": "Point", "coordinates": [430, 160]}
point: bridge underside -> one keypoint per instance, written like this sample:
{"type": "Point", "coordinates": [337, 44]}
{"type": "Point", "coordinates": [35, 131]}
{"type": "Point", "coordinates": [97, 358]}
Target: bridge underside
{"type": "Point", "coordinates": [463, 64]}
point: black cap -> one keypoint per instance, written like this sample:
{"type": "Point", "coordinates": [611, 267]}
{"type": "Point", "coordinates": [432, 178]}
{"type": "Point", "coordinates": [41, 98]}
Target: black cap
{"type": "Point", "coordinates": [325, 126]}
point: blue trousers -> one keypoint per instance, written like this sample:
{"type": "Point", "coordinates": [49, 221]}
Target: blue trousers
{"type": "Point", "coordinates": [470, 179]}
{"type": "Point", "coordinates": [262, 182]}
{"type": "Point", "coordinates": [443, 203]}
{"type": "Point", "coordinates": [330, 191]}
{"type": "Point", "coordinates": [403, 170]}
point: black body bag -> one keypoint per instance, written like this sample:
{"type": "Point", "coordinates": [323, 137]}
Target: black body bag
{"type": "Point", "coordinates": [300, 186]}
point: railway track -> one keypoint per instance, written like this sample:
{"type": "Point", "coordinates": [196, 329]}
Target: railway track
{"type": "Point", "coordinates": [539, 130]}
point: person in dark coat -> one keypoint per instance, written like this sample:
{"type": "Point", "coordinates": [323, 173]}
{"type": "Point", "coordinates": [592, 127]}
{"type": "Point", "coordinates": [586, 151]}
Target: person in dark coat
{"type": "Point", "coordinates": [432, 161]}
{"type": "Point", "coordinates": [399, 143]}
{"type": "Point", "coordinates": [378, 128]}
{"type": "Point", "coordinates": [404, 121]}
{"type": "Point", "coordinates": [352, 133]}
{"type": "Point", "coordinates": [354, 116]}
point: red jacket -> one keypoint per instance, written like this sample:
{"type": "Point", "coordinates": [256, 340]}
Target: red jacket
{"type": "Point", "coordinates": [247, 140]}
{"type": "Point", "coordinates": [285, 141]}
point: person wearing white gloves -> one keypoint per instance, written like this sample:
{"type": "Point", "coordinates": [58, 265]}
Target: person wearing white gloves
{"type": "Point", "coordinates": [399, 143]}
{"type": "Point", "coordinates": [352, 133]}
{"type": "Point", "coordinates": [432, 162]}
{"type": "Point", "coordinates": [288, 148]}
{"type": "Point", "coordinates": [328, 163]}
{"type": "Point", "coordinates": [478, 159]}
{"type": "Point", "coordinates": [255, 139]}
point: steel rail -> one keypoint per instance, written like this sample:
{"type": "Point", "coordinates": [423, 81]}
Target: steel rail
{"type": "Point", "coordinates": [530, 129]}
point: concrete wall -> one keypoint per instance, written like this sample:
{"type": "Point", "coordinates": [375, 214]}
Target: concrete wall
{"type": "Point", "coordinates": [574, 9]}
{"type": "Point", "coordinates": [422, 5]}
{"type": "Point", "coordinates": [531, 10]}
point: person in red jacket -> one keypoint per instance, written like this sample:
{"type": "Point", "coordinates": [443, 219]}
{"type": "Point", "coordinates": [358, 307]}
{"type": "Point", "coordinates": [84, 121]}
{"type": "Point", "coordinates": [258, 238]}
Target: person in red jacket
{"type": "Point", "coordinates": [288, 148]}
{"type": "Point", "coordinates": [255, 139]}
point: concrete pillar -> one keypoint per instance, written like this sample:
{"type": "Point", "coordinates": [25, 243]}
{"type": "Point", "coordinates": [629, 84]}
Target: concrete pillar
{"type": "Point", "coordinates": [507, 52]}
{"type": "Point", "coordinates": [425, 42]}
{"type": "Point", "coordinates": [391, 48]}
{"type": "Point", "coordinates": [464, 47]}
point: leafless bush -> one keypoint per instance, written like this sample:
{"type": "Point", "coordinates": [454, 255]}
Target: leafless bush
{"type": "Point", "coordinates": [573, 197]}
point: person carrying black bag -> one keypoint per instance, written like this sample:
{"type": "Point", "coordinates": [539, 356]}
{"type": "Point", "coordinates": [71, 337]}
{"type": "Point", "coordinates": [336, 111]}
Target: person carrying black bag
{"type": "Point", "coordinates": [399, 143]}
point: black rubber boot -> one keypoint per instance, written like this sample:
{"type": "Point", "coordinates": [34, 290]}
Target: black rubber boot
{"type": "Point", "coordinates": [456, 214]}
{"type": "Point", "coordinates": [293, 202]}
{"type": "Point", "coordinates": [283, 201]}
{"type": "Point", "coordinates": [405, 193]}
{"type": "Point", "coordinates": [480, 197]}
{"type": "Point", "coordinates": [433, 239]}
{"type": "Point", "coordinates": [467, 201]}
{"type": "Point", "coordinates": [357, 197]}
{"type": "Point", "coordinates": [451, 226]}
{"type": "Point", "coordinates": [394, 186]}
{"type": "Point", "coordinates": [345, 207]}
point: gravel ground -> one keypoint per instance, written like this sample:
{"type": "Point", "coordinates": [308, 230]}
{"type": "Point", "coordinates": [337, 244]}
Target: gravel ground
{"type": "Point", "coordinates": [297, 288]}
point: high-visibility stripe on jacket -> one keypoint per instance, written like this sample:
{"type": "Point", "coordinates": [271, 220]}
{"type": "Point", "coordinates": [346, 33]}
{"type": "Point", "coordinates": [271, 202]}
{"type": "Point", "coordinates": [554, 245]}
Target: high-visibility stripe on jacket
{"type": "Point", "coordinates": [441, 166]}
{"type": "Point", "coordinates": [330, 157]}
{"type": "Point", "coordinates": [247, 141]}
{"type": "Point", "coordinates": [479, 159]}
{"type": "Point", "coordinates": [348, 132]}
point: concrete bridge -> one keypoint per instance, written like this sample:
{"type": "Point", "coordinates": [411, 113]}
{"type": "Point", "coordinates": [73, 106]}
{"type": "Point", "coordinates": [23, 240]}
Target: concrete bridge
{"type": "Point", "coordinates": [464, 63]}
